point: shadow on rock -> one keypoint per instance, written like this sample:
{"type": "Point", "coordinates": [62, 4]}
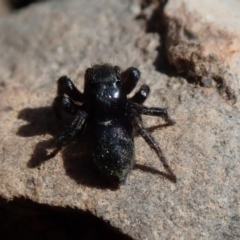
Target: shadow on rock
{"type": "Point", "coordinates": [77, 158]}
{"type": "Point", "coordinates": [40, 121]}
{"type": "Point", "coordinates": [24, 219]}
{"type": "Point", "coordinates": [153, 171]}
{"type": "Point", "coordinates": [156, 23]}
{"type": "Point", "coordinates": [19, 4]}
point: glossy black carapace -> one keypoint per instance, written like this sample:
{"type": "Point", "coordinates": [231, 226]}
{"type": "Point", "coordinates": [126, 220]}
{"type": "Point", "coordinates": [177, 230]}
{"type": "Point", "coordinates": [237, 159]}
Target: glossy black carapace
{"type": "Point", "coordinates": [113, 117]}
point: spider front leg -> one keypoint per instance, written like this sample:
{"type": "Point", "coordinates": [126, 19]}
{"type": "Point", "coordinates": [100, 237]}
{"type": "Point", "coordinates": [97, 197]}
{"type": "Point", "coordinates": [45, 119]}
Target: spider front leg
{"type": "Point", "coordinates": [130, 78]}
{"type": "Point", "coordinates": [137, 124]}
{"type": "Point", "coordinates": [66, 104]}
{"type": "Point", "coordinates": [66, 86]}
{"type": "Point", "coordinates": [141, 95]}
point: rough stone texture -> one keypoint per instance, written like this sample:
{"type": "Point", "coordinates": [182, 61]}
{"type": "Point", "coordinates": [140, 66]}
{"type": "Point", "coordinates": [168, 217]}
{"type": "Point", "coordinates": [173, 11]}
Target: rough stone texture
{"type": "Point", "coordinates": [4, 8]}
{"type": "Point", "coordinates": [203, 41]}
{"type": "Point", "coordinates": [203, 148]}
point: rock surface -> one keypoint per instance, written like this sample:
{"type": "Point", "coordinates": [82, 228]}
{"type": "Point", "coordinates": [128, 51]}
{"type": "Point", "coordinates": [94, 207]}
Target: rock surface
{"type": "Point", "coordinates": [45, 41]}
{"type": "Point", "coordinates": [203, 41]}
{"type": "Point", "coordinates": [4, 8]}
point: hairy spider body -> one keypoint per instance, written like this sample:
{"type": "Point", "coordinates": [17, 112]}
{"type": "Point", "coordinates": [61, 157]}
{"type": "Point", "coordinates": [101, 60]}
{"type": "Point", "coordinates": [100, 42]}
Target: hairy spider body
{"type": "Point", "coordinates": [113, 149]}
{"type": "Point", "coordinates": [113, 117]}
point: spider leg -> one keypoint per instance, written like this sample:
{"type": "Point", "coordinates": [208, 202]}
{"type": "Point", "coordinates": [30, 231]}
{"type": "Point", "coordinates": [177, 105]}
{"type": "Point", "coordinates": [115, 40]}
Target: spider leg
{"type": "Point", "coordinates": [130, 78]}
{"type": "Point", "coordinates": [66, 86]}
{"type": "Point", "coordinates": [141, 95]}
{"type": "Point", "coordinates": [65, 103]}
{"type": "Point", "coordinates": [76, 126]}
{"type": "Point", "coordinates": [159, 112]}
{"type": "Point", "coordinates": [151, 142]}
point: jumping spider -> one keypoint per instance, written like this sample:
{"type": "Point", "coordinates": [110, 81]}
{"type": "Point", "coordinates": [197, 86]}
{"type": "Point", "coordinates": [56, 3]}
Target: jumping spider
{"type": "Point", "coordinates": [104, 104]}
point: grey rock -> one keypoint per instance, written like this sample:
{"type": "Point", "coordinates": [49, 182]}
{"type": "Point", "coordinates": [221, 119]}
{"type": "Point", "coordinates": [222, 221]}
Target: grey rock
{"type": "Point", "coordinates": [45, 41]}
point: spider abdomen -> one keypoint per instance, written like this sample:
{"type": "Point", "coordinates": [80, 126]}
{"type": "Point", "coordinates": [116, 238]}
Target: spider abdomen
{"type": "Point", "coordinates": [113, 149]}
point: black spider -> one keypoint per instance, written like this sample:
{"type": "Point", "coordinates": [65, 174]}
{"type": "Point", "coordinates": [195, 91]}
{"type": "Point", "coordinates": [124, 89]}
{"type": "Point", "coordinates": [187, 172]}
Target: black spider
{"type": "Point", "coordinates": [113, 117]}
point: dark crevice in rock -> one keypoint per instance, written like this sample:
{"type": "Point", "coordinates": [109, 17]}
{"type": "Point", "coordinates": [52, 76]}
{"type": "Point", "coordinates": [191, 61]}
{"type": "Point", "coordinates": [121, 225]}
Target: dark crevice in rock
{"type": "Point", "coordinates": [18, 4]}
{"type": "Point", "coordinates": [25, 219]}
{"type": "Point", "coordinates": [157, 24]}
